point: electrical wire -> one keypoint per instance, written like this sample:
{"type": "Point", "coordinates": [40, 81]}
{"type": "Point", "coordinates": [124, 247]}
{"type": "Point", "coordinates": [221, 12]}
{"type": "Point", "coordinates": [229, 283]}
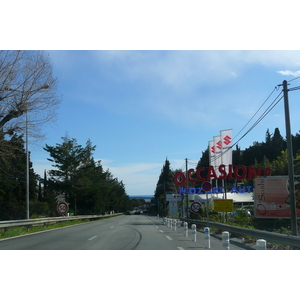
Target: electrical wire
{"type": "Point", "coordinates": [256, 112]}
{"type": "Point", "coordinates": [294, 79]}
{"type": "Point", "coordinates": [264, 114]}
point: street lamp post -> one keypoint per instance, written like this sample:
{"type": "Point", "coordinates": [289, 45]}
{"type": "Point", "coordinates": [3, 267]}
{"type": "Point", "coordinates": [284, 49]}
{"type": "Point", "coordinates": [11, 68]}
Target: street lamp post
{"type": "Point", "coordinates": [45, 86]}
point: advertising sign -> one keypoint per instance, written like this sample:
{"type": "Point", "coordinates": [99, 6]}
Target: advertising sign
{"type": "Point", "coordinates": [223, 205]}
{"type": "Point", "coordinates": [271, 197]}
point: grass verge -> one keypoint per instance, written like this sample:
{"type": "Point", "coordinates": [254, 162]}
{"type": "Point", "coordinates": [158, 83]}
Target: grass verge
{"type": "Point", "coordinates": [22, 230]}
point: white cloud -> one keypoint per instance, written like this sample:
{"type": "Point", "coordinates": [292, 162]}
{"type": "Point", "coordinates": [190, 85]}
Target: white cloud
{"type": "Point", "coordinates": [289, 73]}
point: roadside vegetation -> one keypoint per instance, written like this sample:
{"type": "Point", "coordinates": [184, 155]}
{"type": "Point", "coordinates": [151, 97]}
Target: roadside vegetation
{"type": "Point", "coordinates": [22, 230]}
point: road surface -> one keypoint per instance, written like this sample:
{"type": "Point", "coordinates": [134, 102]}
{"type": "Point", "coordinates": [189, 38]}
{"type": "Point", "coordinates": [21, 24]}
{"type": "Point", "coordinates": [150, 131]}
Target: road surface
{"type": "Point", "coordinates": [125, 232]}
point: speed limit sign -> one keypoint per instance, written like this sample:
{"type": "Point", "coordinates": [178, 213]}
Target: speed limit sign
{"type": "Point", "coordinates": [62, 208]}
{"type": "Point", "coordinates": [195, 207]}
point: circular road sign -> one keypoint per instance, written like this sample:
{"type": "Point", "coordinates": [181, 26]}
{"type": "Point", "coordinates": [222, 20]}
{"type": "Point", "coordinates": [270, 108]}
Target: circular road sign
{"type": "Point", "coordinates": [195, 207]}
{"type": "Point", "coordinates": [206, 186]}
{"type": "Point", "coordinates": [62, 208]}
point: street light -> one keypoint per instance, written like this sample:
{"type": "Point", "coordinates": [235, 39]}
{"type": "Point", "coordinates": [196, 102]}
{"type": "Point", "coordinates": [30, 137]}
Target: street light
{"type": "Point", "coordinates": [45, 86]}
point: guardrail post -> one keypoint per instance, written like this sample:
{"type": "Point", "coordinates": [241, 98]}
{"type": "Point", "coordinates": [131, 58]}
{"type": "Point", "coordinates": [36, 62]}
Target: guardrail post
{"type": "Point", "coordinates": [185, 229]}
{"type": "Point", "coordinates": [207, 237]}
{"type": "Point", "coordinates": [261, 244]}
{"type": "Point", "coordinates": [179, 226]}
{"type": "Point", "coordinates": [194, 232]}
{"type": "Point", "coordinates": [225, 240]}
{"type": "Point", "coordinates": [174, 224]}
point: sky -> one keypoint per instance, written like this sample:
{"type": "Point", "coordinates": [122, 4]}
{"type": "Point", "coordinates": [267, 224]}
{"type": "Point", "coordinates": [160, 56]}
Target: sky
{"type": "Point", "coordinates": [139, 107]}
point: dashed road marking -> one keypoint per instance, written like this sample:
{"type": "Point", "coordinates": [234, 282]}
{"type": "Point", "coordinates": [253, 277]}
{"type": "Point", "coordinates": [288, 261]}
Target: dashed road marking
{"type": "Point", "coordinates": [169, 238]}
{"type": "Point", "coordinates": [161, 231]}
{"type": "Point", "coordinates": [92, 238]}
{"type": "Point", "coordinates": [112, 226]}
{"type": "Point", "coordinates": [180, 248]}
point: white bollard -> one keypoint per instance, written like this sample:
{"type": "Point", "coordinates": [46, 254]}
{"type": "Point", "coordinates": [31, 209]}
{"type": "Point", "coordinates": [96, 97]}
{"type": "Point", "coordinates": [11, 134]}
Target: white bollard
{"type": "Point", "coordinates": [185, 229]}
{"type": "Point", "coordinates": [207, 237]}
{"type": "Point", "coordinates": [171, 223]}
{"type": "Point", "coordinates": [179, 226]}
{"type": "Point", "coordinates": [225, 240]}
{"type": "Point", "coordinates": [174, 224]}
{"type": "Point", "coordinates": [261, 244]}
{"type": "Point", "coordinates": [163, 220]}
{"type": "Point", "coordinates": [194, 232]}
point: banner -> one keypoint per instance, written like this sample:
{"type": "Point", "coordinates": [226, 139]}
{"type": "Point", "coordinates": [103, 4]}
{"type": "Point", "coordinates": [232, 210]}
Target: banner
{"type": "Point", "coordinates": [226, 143]}
{"type": "Point", "coordinates": [272, 197]}
{"type": "Point", "coordinates": [211, 152]}
{"type": "Point", "coordinates": [218, 153]}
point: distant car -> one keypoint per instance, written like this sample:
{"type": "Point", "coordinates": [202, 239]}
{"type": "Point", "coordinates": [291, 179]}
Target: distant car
{"type": "Point", "coordinates": [145, 211]}
{"type": "Point", "coordinates": [127, 213]}
{"type": "Point", "coordinates": [137, 212]}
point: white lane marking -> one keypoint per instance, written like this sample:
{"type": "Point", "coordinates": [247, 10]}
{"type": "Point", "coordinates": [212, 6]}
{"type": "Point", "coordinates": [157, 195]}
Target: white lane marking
{"type": "Point", "coordinates": [161, 231]}
{"type": "Point", "coordinates": [112, 226]}
{"type": "Point", "coordinates": [156, 227]}
{"type": "Point", "coordinates": [92, 238]}
{"type": "Point", "coordinates": [169, 238]}
{"type": "Point", "coordinates": [180, 248]}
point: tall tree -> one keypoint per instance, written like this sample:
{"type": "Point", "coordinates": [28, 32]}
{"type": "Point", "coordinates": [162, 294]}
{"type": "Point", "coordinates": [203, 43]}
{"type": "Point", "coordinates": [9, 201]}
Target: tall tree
{"type": "Point", "coordinates": [26, 85]}
{"type": "Point", "coordinates": [165, 181]}
{"type": "Point", "coordinates": [67, 158]}
{"type": "Point", "coordinates": [13, 182]}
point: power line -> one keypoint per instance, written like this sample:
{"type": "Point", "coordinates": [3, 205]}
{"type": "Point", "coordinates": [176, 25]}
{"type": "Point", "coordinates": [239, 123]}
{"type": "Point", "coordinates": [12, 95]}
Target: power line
{"type": "Point", "coordinates": [256, 112]}
{"type": "Point", "coordinates": [264, 114]}
{"type": "Point", "coordinates": [294, 79]}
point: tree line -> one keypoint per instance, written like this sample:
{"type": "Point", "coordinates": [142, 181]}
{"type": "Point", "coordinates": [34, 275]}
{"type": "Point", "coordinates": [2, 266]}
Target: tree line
{"type": "Point", "coordinates": [76, 177]}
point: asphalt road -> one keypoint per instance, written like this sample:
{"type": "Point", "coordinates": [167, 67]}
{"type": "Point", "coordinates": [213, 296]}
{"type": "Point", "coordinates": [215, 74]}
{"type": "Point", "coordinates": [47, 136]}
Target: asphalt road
{"type": "Point", "coordinates": [125, 232]}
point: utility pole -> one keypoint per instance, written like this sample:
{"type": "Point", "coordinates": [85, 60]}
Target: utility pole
{"type": "Point", "coordinates": [294, 228]}
{"type": "Point", "coordinates": [187, 192]}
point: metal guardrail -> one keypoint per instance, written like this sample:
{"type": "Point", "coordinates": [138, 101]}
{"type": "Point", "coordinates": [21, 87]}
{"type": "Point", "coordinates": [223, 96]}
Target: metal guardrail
{"type": "Point", "coordinates": [268, 236]}
{"type": "Point", "coordinates": [30, 222]}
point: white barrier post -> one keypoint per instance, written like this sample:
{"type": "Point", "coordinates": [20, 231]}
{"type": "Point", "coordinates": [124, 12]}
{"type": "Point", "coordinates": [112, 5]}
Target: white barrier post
{"type": "Point", "coordinates": [171, 223]}
{"type": "Point", "coordinates": [225, 240]}
{"type": "Point", "coordinates": [194, 232]}
{"type": "Point", "coordinates": [175, 224]}
{"type": "Point", "coordinates": [185, 229]}
{"type": "Point", "coordinates": [179, 226]}
{"type": "Point", "coordinates": [163, 220]}
{"type": "Point", "coordinates": [261, 244]}
{"type": "Point", "coordinates": [207, 237]}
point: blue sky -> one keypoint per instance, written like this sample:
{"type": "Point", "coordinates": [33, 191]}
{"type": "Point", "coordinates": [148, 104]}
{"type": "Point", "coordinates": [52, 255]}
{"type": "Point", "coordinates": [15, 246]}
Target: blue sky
{"type": "Point", "coordinates": [139, 107]}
